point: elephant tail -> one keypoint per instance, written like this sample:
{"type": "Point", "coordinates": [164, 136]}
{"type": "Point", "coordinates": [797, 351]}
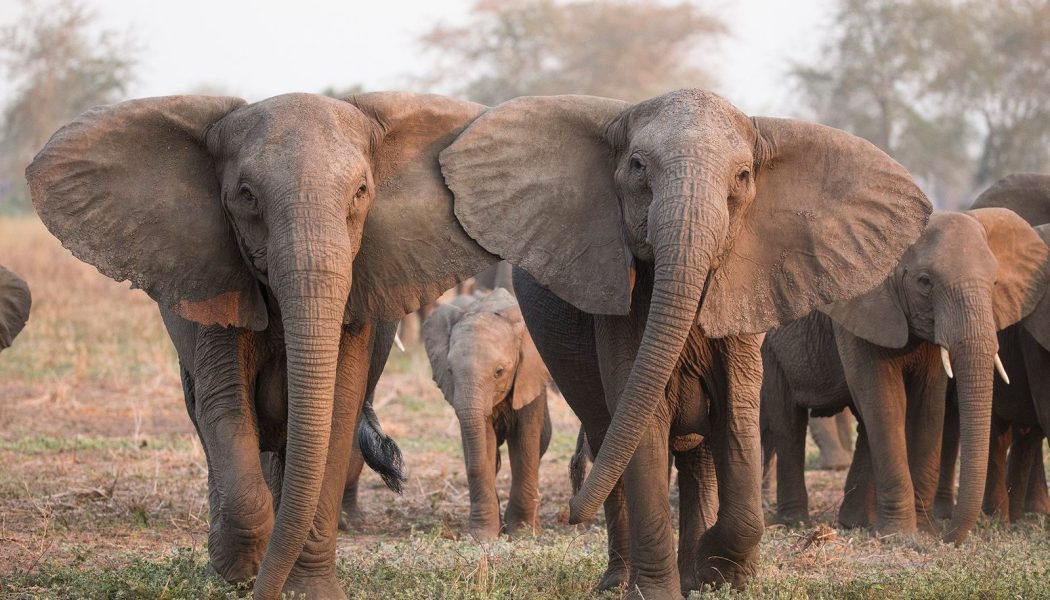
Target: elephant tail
{"type": "Point", "coordinates": [379, 450]}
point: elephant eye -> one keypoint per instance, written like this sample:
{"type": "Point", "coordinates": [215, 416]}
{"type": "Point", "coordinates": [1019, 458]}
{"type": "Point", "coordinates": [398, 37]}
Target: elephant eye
{"type": "Point", "coordinates": [361, 190]}
{"type": "Point", "coordinates": [924, 281]}
{"type": "Point", "coordinates": [744, 175]}
{"type": "Point", "coordinates": [247, 196]}
{"type": "Point", "coordinates": [636, 164]}
{"type": "Point", "coordinates": [499, 372]}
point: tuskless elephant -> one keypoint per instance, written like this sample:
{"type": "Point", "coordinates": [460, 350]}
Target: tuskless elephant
{"type": "Point", "coordinates": [889, 354]}
{"type": "Point", "coordinates": [489, 371]}
{"type": "Point", "coordinates": [1021, 410]}
{"type": "Point", "coordinates": [301, 220]}
{"type": "Point", "coordinates": [15, 301]}
{"type": "Point", "coordinates": [654, 240]}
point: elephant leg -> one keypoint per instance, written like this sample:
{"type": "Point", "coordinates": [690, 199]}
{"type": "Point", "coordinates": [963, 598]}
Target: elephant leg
{"type": "Point", "coordinates": [1025, 449]}
{"type": "Point", "coordinates": [350, 514]}
{"type": "Point", "coordinates": [1038, 501]}
{"type": "Point", "coordinates": [845, 425]}
{"type": "Point", "coordinates": [792, 497]}
{"type": "Point", "coordinates": [833, 456]}
{"type": "Point", "coordinates": [526, 446]}
{"type": "Point", "coordinates": [697, 508]}
{"type": "Point", "coordinates": [242, 514]}
{"type": "Point", "coordinates": [923, 430]}
{"type": "Point", "coordinates": [876, 383]}
{"type": "Point", "coordinates": [858, 501]}
{"type": "Point", "coordinates": [944, 500]}
{"type": "Point", "coordinates": [728, 551]}
{"type": "Point", "coordinates": [654, 572]}
{"type": "Point", "coordinates": [996, 498]}
{"type": "Point", "coordinates": [314, 571]}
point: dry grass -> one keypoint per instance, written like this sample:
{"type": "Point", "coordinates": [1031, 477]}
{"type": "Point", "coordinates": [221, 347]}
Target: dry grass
{"type": "Point", "coordinates": [103, 483]}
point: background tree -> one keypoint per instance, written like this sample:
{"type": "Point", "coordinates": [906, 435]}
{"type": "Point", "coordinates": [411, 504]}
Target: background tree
{"type": "Point", "coordinates": [958, 91]}
{"type": "Point", "coordinates": [619, 48]}
{"type": "Point", "coordinates": [58, 67]}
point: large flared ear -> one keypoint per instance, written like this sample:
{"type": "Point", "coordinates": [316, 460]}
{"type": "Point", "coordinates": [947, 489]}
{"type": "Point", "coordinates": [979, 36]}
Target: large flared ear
{"type": "Point", "coordinates": [436, 333]}
{"type": "Point", "coordinates": [874, 316]}
{"type": "Point", "coordinates": [15, 301]}
{"type": "Point", "coordinates": [1038, 321]}
{"type": "Point", "coordinates": [413, 248]}
{"type": "Point", "coordinates": [831, 217]}
{"type": "Point", "coordinates": [533, 180]}
{"type": "Point", "coordinates": [131, 189]}
{"type": "Point", "coordinates": [1021, 276]}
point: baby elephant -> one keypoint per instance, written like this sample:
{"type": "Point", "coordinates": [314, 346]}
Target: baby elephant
{"type": "Point", "coordinates": [490, 372]}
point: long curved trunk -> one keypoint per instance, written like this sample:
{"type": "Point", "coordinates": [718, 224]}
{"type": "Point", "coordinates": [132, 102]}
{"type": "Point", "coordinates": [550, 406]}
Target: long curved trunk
{"type": "Point", "coordinates": [310, 272]}
{"type": "Point", "coordinates": [481, 474]}
{"type": "Point", "coordinates": [968, 333]}
{"type": "Point", "coordinates": [687, 225]}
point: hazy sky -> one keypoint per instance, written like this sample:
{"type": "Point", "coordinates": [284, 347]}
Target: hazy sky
{"type": "Point", "coordinates": [262, 48]}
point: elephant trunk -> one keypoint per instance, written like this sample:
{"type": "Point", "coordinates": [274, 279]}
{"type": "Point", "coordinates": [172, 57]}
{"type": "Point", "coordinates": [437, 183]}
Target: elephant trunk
{"type": "Point", "coordinates": [967, 331]}
{"type": "Point", "coordinates": [310, 272]}
{"type": "Point", "coordinates": [688, 221]}
{"type": "Point", "coordinates": [476, 428]}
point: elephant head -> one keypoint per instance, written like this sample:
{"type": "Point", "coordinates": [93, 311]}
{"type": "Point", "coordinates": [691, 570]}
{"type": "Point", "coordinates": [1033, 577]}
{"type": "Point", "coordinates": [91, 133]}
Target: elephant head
{"type": "Point", "coordinates": [15, 301]}
{"type": "Point", "coordinates": [749, 222]}
{"type": "Point", "coordinates": [484, 361]}
{"type": "Point", "coordinates": [969, 275]}
{"type": "Point", "coordinates": [336, 206]}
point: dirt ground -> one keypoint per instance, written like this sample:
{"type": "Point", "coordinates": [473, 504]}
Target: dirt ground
{"type": "Point", "coordinates": [103, 482]}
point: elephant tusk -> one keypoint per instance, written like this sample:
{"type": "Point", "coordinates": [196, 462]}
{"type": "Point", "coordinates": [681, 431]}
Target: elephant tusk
{"type": "Point", "coordinates": [946, 362]}
{"type": "Point", "coordinates": [1000, 369]}
{"type": "Point", "coordinates": [397, 341]}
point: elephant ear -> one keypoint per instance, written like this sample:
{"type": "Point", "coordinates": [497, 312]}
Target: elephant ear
{"type": "Point", "coordinates": [131, 189]}
{"type": "Point", "coordinates": [874, 316]}
{"type": "Point", "coordinates": [831, 217]}
{"type": "Point", "coordinates": [1021, 277]}
{"type": "Point", "coordinates": [436, 333]}
{"type": "Point", "coordinates": [1038, 321]}
{"type": "Point", "coordinates": [413, 249]}
{"type": "Point", "coordinates": [14, 306]}
{"type": "Point", "coordinates": [533, 180]}
{"type": "Point", "coordinates": [1027, 194]}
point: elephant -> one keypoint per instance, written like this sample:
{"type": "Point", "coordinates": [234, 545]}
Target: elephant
{"type": "Point", "coordinates": [300, 220]}
{"type": "Point", "coordinates": [15, 301]}
{"type": "Point", "coordinates": [489, 371]}
{"type": "Point", "coordinates": [1021, 410]}
{"type": "Point", "coordinates": [653, 243]}
{"type": "Point", "coordinates": [834, 437]}
{"type": "Point", "coordinates": [889, 354]}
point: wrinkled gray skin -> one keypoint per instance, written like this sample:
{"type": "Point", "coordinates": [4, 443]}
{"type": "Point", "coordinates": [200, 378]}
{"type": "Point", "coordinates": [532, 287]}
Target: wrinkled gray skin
{"type": "Point", "coordinates": [1021, 410]}
{"type": "Point", "coordinates": [967, 276]}
{"type": "Point", "coordinates": [490, 373]}
{"type": "Point", "coordinates": [622, 218]}
{"type": "Point", "coordinates": [254, 216]}
{"type": "Point", "coordinates": [15, 301]}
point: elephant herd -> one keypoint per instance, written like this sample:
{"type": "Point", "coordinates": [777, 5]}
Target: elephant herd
{"type": "Point", "coordinates": [654, 245]}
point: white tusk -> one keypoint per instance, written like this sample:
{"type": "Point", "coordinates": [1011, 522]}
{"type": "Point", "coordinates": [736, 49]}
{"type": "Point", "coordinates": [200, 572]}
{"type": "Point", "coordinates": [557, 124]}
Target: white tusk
{"type": "Point", "coordinates": [397, 338]}
{"type": "Point", "coordinates": [1000, 369]}
{"type": "Point", "coordinates": [946, 362]}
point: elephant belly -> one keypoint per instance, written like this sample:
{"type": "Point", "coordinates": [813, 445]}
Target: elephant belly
{"type": "Point", "coordinates": [807, 353]}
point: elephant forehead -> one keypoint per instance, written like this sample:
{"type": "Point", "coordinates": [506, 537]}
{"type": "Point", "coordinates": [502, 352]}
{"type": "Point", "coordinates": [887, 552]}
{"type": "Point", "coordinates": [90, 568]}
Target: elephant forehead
{"type": "Point", "coordinates": [482, 333]}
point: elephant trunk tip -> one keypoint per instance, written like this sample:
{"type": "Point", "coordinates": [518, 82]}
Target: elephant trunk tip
{"type": "Point", "coordinates": [579, 514]}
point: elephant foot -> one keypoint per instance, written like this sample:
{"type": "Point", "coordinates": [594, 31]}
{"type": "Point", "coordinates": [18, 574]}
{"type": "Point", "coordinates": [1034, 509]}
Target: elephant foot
{"type": "Point", "coordinates": [325, 587]}
{"type": "Point", "coordinates": [995, 505]}
{"type": "Point", "coordinates": [943, 507]}
{"type": "Point", "coordinates": [1039, 505]}
{"type": "Point", "coordinates": [484, 534]}
{"type": "Point", "coordinates": [350, 517]}
{"type": "Point", "coordinates": [906, 526]}
{"type": "Point", "coordinates": [652, 590]}
{"type": "Point", "coordinates": [717, 571]}
{"type": "Point", "coordinates": [791, 518]}
{"type": "Point", "coordinates": [854, 515]}
{"type": "Point", "coordinates": [521, 529]}
{"type": "Point", "coordinates": [615, 576]}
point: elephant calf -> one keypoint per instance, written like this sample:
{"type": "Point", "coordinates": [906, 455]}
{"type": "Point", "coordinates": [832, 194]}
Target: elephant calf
{"type": "Point", "coordinates": [490, 372]}
{"type": "Point", "coordinates": [14, 306]}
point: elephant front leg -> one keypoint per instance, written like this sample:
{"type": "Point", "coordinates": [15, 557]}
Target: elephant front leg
{"type": "Point", "coordinates": [525, 447]}
{"type": "Point", "coordinates": [697, 508]}
{"type": "Point", "coordinates": [314, 570]}
{"type": "Point", "coordinates": [1024, 458]}
{"type": "Point", "coordinates": [728, 551]}
{"type": "Point", "coordinates": [924, 431]}
{"type": "Point", "coordinates": [654, 571]}
{"type": "Point", "coordinates": [944, 500]}
{"type": "Point", "coordinates": [242, 514]}
{"type": "Point", "coordinates": [996, 499]}
{"type": "Point", "coordinates": [858, 500]}
{"type": "Point", "coordinates": [350, 515]}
